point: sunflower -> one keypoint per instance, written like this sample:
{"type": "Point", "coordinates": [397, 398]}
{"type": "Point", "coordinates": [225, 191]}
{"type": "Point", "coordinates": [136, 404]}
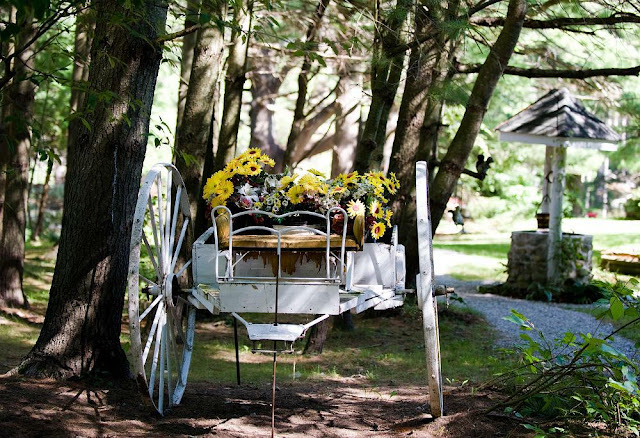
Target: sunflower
{"type": "Point", "coordinates": [252, 168]}
{"type": "Point", "coordinates": [355, 208]}
{"type": "Point", "coordinates": [337, 190]}
{"type": "Point", "coordinates": [377, 230]}
{"type": "Point", "coordinates": [265, 159]}
{"type": "Point", "coordinates": [387, 217]}
{"type": "Point", "coordinates": [252, 153]}
{"type": "Point", "coordinates": [376, 209]}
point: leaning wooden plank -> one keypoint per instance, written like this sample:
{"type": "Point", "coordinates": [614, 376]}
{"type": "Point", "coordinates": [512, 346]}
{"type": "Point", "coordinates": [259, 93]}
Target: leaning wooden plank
{"type": "Point", "coordinates": [425, 289]}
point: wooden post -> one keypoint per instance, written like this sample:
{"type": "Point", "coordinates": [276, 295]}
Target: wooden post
{"type": "Point", "coordinates": [426, 291]}
{"type": "Point", "coordinates": [555, 213]}
{"type": "Point", "coordinates": [548, 156]}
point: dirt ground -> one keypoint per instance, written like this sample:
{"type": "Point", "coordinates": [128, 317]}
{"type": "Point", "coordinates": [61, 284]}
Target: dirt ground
{"type": "Point", "coordinates": [345, 408]}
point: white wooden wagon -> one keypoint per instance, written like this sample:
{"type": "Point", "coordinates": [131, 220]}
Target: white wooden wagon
{"type": "Point", "coordinates": [256, 269]}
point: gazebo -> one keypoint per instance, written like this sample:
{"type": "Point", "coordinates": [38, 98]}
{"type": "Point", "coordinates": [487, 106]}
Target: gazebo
{"type": "Point", "coordinates": [557, 120]}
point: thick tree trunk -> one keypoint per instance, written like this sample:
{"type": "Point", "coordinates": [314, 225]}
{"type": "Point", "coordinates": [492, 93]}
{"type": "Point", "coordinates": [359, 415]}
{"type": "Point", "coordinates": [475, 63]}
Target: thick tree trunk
{"type": "Point", "coordinates": [193, 137]}
{"type": "Point", "coordinates": [299, 115]}
{"type": "Point", "coordinates": [317, 338]}
{"type": "Point", "coordinates": [81, 331]}
{"type": "Point", "coordinates": [264, 89]}
{"type": "Point", "coordinates": [386, 71]}
{"type": "Point", "coordinates": [234, 85]}
{"type": "Point", "coordinates": [20, 100]}
{"type": "Point", "coordinates": [423, 63]}
{"type": "Point", "coordinates": [458, 152]}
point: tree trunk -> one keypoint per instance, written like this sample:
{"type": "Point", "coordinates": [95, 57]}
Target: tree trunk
{"type": "Point", "coordinates": [37, 229]}
{"type": "Point", "coordinates": [346, 126]}
{"type": "Point", "coordinates": [420, 73]}
{"type": "Point", "coordinates": [234, 85]}
{"type": "Point", "coordinates": [303, 79]}
{"type": "Point", "coordinates": [85, 25]}
{"type": "Point", "coordinates": [264, 89]}
{"type": "Point", "coordinates": [192, 139]}
{"type": "Point", "coordinates": [81, 331]}
{"type": "Point", "coordinates": [458, 152]}
{"type": "Point", "coordinates": [386, 70]}
{"type": "Point", "coordinates": [317, 338]}
{"type": "Point", "coordinates": [186, 62]}
{"type": "Point", "coordinates": [19, 98]}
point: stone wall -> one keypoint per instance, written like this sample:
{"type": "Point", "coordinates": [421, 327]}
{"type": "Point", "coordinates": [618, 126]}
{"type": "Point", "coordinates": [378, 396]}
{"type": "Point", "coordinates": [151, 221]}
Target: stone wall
{"type": "Point", "coordinates": [527, 261]}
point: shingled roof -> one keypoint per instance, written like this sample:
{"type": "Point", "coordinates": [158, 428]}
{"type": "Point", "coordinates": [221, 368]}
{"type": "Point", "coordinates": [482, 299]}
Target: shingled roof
{"type": "Point", "coordinates": [558, 118]}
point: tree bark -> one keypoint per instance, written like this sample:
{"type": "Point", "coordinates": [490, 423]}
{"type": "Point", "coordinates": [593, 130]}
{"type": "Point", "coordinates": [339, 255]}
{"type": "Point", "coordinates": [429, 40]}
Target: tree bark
{"type": "Point", "coordinates": [386, 71]}
{"type": "Point", "coordinates": [81, 331]}
{"type": "Point", "coordinates": [346, 126]}
{"type": "Point", "coordinates": [20, 99]}
{"type": "Point", "coordinates": [317, 338]}
{"type": "Point", "coordinates": [423, 64]}
{"type": "Point", "coordinates": [299, 115]}
{"type": "Point", "coordinates": [37, 229]}
{"type": "Point", "coordinates": [458, 152]}
{"type": "Point", "coordinates": [192, 139]}
{"type": "Point", "coordinates": [264, 89]}
{"type": "Point", "coordinates": [234, 85]}
{"type": "Point", "coordinates": [85, 25]}
{"type": "Point", "coordinates": [186, 62]}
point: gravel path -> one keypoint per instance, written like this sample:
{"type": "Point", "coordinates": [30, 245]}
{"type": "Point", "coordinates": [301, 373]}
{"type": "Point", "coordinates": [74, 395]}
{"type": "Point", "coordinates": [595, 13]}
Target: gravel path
{"type": "Point", "coordinates": [552, 319]}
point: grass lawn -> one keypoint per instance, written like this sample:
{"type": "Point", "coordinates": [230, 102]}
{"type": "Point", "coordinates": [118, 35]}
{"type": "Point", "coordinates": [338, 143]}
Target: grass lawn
{"type": "Point", "coordinates": [489, 244]}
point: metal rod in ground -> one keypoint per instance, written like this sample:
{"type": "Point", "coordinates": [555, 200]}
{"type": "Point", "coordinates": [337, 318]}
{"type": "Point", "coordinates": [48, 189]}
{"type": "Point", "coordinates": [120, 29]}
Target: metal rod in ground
{"type": "Point", "coordinates": [273, 395]}
{"type": "Point", "coordinates": [235, 340]}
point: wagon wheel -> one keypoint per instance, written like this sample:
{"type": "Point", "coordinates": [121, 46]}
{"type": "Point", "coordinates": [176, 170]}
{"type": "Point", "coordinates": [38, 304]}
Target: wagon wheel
{"type": "Point", "coordinates": [161, 320]}
{"type": "Point", "coordinates": [426, 291]}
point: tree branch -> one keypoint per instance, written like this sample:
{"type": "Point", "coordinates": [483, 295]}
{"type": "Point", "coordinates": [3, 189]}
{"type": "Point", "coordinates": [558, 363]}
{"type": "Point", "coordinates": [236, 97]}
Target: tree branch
{"type": "Point", "coordinates": [558, 23]}
{"type": "Point", "coordinates": [553, 73]}
{"type": "Point", "coordinates": [178, 34]}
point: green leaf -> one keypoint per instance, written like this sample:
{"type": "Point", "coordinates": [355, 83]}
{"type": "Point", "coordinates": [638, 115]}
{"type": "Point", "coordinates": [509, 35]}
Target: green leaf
{"type": "Point", "coordinates": [85, 123]}
{"type": "Point", "coordinates": [616, 308]}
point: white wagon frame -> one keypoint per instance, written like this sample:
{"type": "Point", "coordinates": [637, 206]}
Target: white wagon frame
{"type": "Point", "coordinates": [256, 274]}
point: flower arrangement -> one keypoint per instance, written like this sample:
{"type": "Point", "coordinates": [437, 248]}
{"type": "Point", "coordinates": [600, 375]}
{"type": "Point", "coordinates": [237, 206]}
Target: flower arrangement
{"type": "Point", "coordinates": [245, 185]}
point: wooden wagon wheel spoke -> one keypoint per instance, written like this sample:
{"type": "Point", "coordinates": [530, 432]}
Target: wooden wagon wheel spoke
{"type": "Point", "coordinates": [161, 334]}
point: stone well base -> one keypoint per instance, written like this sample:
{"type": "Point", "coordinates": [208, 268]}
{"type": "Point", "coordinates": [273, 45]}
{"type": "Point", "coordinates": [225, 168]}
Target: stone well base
{"type": "Point", "coordinates": [527, 261]}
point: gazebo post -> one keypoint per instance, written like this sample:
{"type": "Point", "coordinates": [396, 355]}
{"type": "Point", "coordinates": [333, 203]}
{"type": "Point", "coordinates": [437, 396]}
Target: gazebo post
{"type": "Point", "coordinates": [548, 156]}
{"type": "Point", "coordinates": [555, 212]}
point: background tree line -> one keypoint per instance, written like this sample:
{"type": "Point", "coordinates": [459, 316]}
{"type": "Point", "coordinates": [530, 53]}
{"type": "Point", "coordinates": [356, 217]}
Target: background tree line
{"type": "Point", "coordinates": [380, 85]}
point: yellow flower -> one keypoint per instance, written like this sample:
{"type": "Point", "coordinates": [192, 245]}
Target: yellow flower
{"type": "Point", "coordinates": [337, 190]}
{"type": "Point", "coordinates": [296, 194]}
{"type": "Point", "coordinates": [316, 173]}
{"type": "Point", "coordinates": [387, 217]}
{"type": "Point", "coordinates": [265, 159]}
{"type": "Point", "coordinates": [253, 168]}
{"type": "Point", "coordinates": [377, 230]}
{"type": "Point", "coordinates": [286, 180]}
{"type": "Point", "coordinates": [225, 189]}
{"type": "Point", "coordinates": [252, 153]}
{"type": "Point", "coordinates": [355, 208]}
{"type": "Point", "coordinates": [214, 202]}
{"type": "Point", "coordinates": [351, 178]}
{"type": "Point", "coordinates": [376, 209]}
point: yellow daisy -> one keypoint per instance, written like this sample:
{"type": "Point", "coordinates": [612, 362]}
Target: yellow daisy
{"type": "Point", "coordinates": [286, 180]}
{"type": "Point", "coordinates": [265, 159]}
{"type": "Point", "coordinates": [377, 230]}
{"type": "Point", "coordinates": [253, 153]}
{"type": "Point", "coordinates": [296, 194]}
{"type": "Point", "coordinates": [337, 190]}
{"type": "Point", "coordinates": [376, 209]}
{"type": "Point", "coordinates": [387, 217]}
{"type": "Point", "coordinates": [355, 208]}
{"type": "Point", "coordinates": [225, 189]}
